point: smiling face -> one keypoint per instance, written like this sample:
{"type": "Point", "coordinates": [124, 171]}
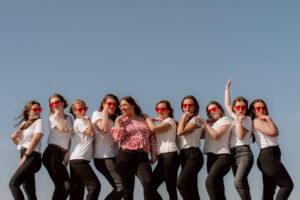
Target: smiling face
{"type": "Point", "coordinates": [162, 110]}
{"type": "Point", "coordinates": [34, 112]}
{"type": "Point", "coordinates": [188, 106]}
{"type": "Point", "coordinates": [126, 108]}
{"type": "Point", "coordinates": [259, 109]}
{"type": "Point", "coordinates": [214, 112]}
{"type": "Point", "coordinates": [56, 104]}
{"type": "Point", "coordinates": [240, 108]}
{"type": "Point", "coordinates": [110, 105]}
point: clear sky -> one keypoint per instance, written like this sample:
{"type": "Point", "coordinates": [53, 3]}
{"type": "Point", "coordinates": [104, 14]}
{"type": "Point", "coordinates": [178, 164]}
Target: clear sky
{"type": "Point", "coordinates": [151, 50]}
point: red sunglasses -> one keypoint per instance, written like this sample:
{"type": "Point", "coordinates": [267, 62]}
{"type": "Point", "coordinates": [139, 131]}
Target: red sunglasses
{"type": "Point", "coordinates": [160, 109]}
{"type": "Point", "coordinates": [259, 108]}
{"type": "Point", "coordinates": [190, 105]}
{"type": "Point", "coordinates": [240, 107]}
{"type": "Point", "coordinates": [39, 110]}
{"type": "Point", "coordinates": [55, 103]}
{"type": "Point", "coordinates": [212, 110]}
{"type": "Point", "coordinates": [82, 109]}
{"type": "Point", "coordinates": [109, 104]}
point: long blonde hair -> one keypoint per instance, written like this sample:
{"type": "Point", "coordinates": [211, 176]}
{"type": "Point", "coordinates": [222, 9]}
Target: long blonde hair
{"type": "Point", "coordinates": [24, 115]}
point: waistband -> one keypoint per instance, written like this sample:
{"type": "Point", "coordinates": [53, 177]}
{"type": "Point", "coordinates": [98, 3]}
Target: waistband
{"type": "Point", "coordinates": [58, 147]}
{"type": "Point", "coordinates": [23, 150]}
{"type": "Point", "coordinates": [270, 148]}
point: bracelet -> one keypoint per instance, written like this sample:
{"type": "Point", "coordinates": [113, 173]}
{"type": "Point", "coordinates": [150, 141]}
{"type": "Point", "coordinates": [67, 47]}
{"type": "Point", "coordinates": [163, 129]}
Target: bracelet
{"type": "Point", "coordinates": [226, 88]}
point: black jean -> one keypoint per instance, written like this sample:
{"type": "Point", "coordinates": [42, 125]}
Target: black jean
{"type": "Point", "coordinates": [274, 173]}
{"type": "Point", "coordinates": [218, 165]}
{"type": "Point", "coordinates": [25, 176]}
{"type": "Point", "coordinates": [107, 167]}
{"type": "Point", "coordinates": [83, 175]}
{"type": "Point", "coordinates": [191, 160]}
{"type": "Point", "coordinates": [53, 161]}
{"type": "Point", "coordinates": [131, 163]}
{"type": "Point", "coordinates": [242, 162]}
{"type": "Point", "coordinates": [166, 170]}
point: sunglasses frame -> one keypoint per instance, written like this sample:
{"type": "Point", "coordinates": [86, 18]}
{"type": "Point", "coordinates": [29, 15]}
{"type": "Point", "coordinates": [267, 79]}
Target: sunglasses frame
{"type": "Point", "coordinates": [56, 103]}
{"type": "Point", "coordinates": [37, 110]}
{"type": "Point", "coordinates": [185, 105]}
{"type": "Point", "coordinates": [258, 108]}
{"type": "Point", "coordinates": [238, 108]}
{"type": "Point", "coordinates": [82, 109]}
{"type": "Point", "coordinates": [161, 109]}
{"type": "Point", "coordinates": [214, 109]}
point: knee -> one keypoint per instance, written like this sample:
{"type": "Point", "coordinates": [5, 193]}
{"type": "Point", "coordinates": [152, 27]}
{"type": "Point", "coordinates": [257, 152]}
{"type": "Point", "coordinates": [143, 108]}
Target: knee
{"type": "Point", "coordinates": [12, 183]}
{"type": "Point", "coordinates": [290, 186]}
{"type": "Point", "coordinates": [181, 183]}
{"type": "Point", "coordinates": [94, 187]}
{"type": "Point", "coordinates": [209, 183]}
{"type": "Point", "coordinates": [238, 184]}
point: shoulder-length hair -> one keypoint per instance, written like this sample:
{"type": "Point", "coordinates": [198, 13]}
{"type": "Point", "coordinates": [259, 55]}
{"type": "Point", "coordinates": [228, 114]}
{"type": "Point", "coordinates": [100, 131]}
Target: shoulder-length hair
{"type": "Point", "coordinates": [117, 111]}
{"type": "Point", "coordinates": [239, 99]}
{"type": "Point", "coordinates": [219, 106]}
{"type": "Point", "coordinates": [169, 107]}
{"type": "Point", "coordinates": [61, 98]}
{"type": "Point", "coordinates": [24, 115]}
{"type": "Point", "coordinates": [196, 104]}
{"type": "Point", "coordinates": [131, 101]}
{"type": "Point", "coordinates": [251, 108]}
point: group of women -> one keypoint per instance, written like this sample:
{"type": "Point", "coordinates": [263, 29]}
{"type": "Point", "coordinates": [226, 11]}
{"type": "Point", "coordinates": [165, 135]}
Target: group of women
{"type": "Point", "coordinates": [119, 138]}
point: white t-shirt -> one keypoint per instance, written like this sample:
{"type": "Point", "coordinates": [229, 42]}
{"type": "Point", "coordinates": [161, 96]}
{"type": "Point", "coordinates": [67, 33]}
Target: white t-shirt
{"type": "Point", "coordinates": [264, 141]}
{"type": "Point", "coordinates": [57, 137]}
{"type": "Point", "coordinates": [104, 145]}
{"type": "Point", "coordinates": [84, 143]}
{"type": "Point", "coordinates": [166, 142]}
{"type": "Point", "coordinates": [221, 145]}
{"type": "Point", "coordinates": [247, 124]}
{"type": "Point", "coordinates": [38, 126]}
{"type": "Point", "coordinates": [191, 139]}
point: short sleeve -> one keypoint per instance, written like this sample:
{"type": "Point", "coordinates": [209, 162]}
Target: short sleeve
{"type": "Point", "coordinates": [52, 121]}
{"type": "Point", "coordinates": [96, 116]}
{"type": "Point", "coordinates": [196, 121]}
{"type": "Point", "coordinates": [247, 123]}
{"type": "Point", "coordinates": [233, 116]}
{"type": "Point", "coordinates": [223, 121]}
{"type": "Point", "coordinates": [170, 121]}
{"type": "Point", "coordinates": [81, 125]}
{"type": "Point", "coordinates": [39, 126]}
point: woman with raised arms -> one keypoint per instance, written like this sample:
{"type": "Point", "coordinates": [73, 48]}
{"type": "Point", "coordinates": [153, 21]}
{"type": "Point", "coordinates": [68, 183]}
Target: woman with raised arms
{"type": "Point", "coordinates": [28, 140]}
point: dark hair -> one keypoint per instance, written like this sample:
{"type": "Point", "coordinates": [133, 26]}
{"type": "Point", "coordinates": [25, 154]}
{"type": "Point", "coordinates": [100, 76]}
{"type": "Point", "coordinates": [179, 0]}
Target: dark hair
{"type": "Point", "coordinates": [169, 107]}
{"type": "Point", "coordinates": [117, 111]}
{"type": "Point", "coordinates": [239, 99]}
{"type": "Point", "coordinates": [61, 98]}
{"type": "Point", "coordinates": [76, 102]}
{"type": "Point", "coordinates": [197, 108]}
{"type": "Point", "coordinates": [131, 101]}
{"type": "Point", "coordinates": [219, 107]}
{"type": "Point", "coordinates": [24, 115]}
{"type": "Point", "coordinates": [251, 108]}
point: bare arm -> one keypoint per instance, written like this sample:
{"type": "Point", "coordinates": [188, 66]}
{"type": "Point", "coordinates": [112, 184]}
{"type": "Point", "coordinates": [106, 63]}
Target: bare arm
{"type": "Point", "coordinates": [217, 132]}
{"type": "Point", "coordinates": [16, 136]}
{"type": "Point", "coordinates": [160, 128]}
{"type": "Point", "coordinates": [185, 127]}
{"type": "Point", "coordinates": [89, 130]}
{"type": "Point", "coordinates": [227, 98]}
{"type": "Point", "coordinates": [241, 131]}
{"type": "Point", "coordinates": [266, 125]}
{"type": "Point", "coordinates": [103, 124]}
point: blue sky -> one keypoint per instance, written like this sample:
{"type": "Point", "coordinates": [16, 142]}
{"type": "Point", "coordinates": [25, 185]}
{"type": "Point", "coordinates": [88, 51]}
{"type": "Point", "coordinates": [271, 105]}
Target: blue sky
{"type": "Point", "coordinates": [151, 50]}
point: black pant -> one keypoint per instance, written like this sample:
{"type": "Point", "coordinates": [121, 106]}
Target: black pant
{"type": "Point", "coordinates": [53, 161]}
{"type": "Point", "coordinates": [83, 175]}
{"type": "Point", "coordinates": [191, 160]}
{"type": "Point", "coordinates": [131, 163]}
{"type": "Point", "coordinates": [107, 167]}
{"type": "Point", "coordinates": [166, 170]}
{"type": "Point", "coordinates": [274, 173]}
{"type": "Point", "coordinates": [25, 176]}
{"type": "Point", "coordinates": [218, 165]}
{"type": "Point", "coordinates": [242, 162]}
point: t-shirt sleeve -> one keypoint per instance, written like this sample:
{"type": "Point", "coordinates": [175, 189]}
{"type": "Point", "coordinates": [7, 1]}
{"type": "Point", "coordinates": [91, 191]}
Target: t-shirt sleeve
{"type": "Point", "coordinates": [247, 123]}
{"type": "Point", "coordinates": [52, 121]}
{"type": "Point", "coordinates": [233, 116]}
{"type": "Point", "coordinates": [170, 121]}
{"type": "Point", "coordinates": [224, 121]}
{"type": "Point", "coordinates": [81, 125]}
{"type": "Point", "coordinates": [196, 121]}
{"type": "Point", "coordinates": [39, 126]}
{"type": "Point", "coordinates": [96, 116]}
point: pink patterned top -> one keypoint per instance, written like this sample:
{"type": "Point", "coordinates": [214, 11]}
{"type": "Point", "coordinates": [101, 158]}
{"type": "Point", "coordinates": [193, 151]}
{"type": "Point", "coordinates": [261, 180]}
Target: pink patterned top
{"type": "Point", "coordinates": [135, 135]}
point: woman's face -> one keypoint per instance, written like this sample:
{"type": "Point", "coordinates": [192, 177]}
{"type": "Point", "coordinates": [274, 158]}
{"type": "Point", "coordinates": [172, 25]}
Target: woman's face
{"type": "Point", "coordinates": [259, 109]}
{"type": "Point", "coordinates": [162, 111]}
{"type": "Point", "coordinates": [34, 112]}
{"type": "Point", "coordinates": [214, 112]}
{"type": "Point", "coordinates": [126, 108]}
{"type": "Point", "coordinates": [188, 106]}
{"type": "Point", "coordinates": [56, 104]}
{"type": "Point", "coordinates": [110, 105]}
{"type": "Point", "coordinates": [80, 110]}
{"type": "Point", "coordinates": [240, 108]}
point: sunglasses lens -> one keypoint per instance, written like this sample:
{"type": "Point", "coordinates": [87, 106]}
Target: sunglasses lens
{"type": "Point", "coordinates": [184, 105]}
{"type": "Point", "coordinates": [214, 109]}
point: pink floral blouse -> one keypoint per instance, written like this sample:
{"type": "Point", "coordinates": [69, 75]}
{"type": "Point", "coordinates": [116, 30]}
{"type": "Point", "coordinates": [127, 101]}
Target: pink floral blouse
{"type": "Point", "coordinates": [135, 135]}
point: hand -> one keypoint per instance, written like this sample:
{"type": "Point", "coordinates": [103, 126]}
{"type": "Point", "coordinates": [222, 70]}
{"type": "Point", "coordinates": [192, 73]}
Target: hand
{"type": "Point", "coordinates": [119, 118]}
{"type": "Point", "coordinates": [200, 119]}
{"type": "Point", "coordinates": [157, 119]}
{"type": "Point", "coordinates": [66, 160]}
{"type": "Point", "coordinates": [228, 83]}
{"type": "Point", "coordinates": [263, 117]}
{"type": "Point", "coordinates": [209, 122]}
{"type": "Point", "coordinates": [186, 116]}
{"type": "Point", "coordinates": [153, 158]}
{"type": "Point", "coordinates": [240, 119]}
{"type": "Point", "coordinates": [145, 116]}
{"type": "Point", "coordinates": [22, 161]}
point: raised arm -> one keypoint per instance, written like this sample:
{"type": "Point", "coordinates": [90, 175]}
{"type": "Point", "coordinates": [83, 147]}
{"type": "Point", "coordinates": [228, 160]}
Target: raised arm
{"type": "Point", "coordinates": [227, 98]}
{"type": "Point", "coordinates": [160, 128]}
{"type": "Point", "coordinates": [266, 125]}
{"type": "Point", "coordinates": [186, 127]}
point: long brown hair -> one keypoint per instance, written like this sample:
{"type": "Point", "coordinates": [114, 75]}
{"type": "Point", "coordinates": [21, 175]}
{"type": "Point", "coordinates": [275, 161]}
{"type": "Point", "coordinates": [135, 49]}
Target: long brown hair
{"type": "Point", "coordinates": [24, 115]}
{"type": "Point", "coordinates": [61, 98]}
{"type": "Point", "coordinates": [219, 106]}
{"type": "Point", "coordinates": [169, 107]}
{"type": "Point", "coordinates": [117, 111]}
{"type": "Point", "coordinates": [251, 108]}
{"type": "Point", "coordinates": [239, 99]}
{"type": "Point", "coordinates": [196, 104]}
{"type": "Point", "coordinates": [131, 101]}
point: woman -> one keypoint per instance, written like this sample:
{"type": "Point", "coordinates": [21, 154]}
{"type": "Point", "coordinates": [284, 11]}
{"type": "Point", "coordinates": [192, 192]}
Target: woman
{"type": "Point", "coordinates": [191, 158]}
{"type": "Point", "coordinates": [105, 148]}
{"type": "Point", "coordinates": [81, 172]}
{"type": "Point", "coordinates": [266, 136]}
{"type": "Point", "coordinates": [136, 141]}
{"type": "Point", "coordinates": [217, 149]}
{"type": "Point", "coordinates": [28, 139]}
{"type": "Point", "coordinates": [168, 159]}
{"type": "Point", "coordinates": [56, 155]}
{"type": "Point", "coordinates": [240, 139]}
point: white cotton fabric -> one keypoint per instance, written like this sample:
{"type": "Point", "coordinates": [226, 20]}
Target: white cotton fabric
{"type": "Point", "coordinates": [221, 145]}
{"type": "Point", "coordinates": [104, 145]}
{"type": "Point", "coordinates": [264, 141]}
{"type": "Point", "coordinates": [84, 143]}
{"type": "Point", "coordinates": [166, 142]}
{"type": "Point", "coordinates": [191, 139]}
{"type": "Point", "coordinates": [247, 124]}
{"type": "Point", "coordinates": [59, 138]}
